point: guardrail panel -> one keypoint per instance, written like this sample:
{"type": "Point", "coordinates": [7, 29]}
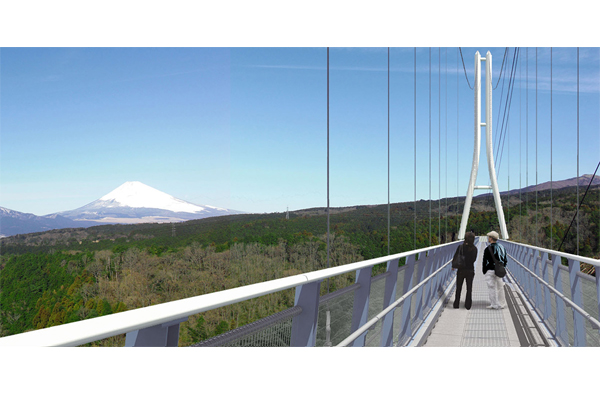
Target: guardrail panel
{"type": "Point", "coordinates": [561, 319]}
{"type": "Point", "coordinates": [361, 302]}
{"type": "Point", "coordinates": [409, 275]}
{"type": "Point", "coordinates": [387, 334]}
{"type": "Point", "coordinates": [577, 298]}
{"type": "Point", "coordinates": [304, 326]}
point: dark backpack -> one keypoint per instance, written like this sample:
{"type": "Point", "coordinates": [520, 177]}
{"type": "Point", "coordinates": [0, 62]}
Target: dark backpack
{"type": "Point", "coordinates": [499, 269]}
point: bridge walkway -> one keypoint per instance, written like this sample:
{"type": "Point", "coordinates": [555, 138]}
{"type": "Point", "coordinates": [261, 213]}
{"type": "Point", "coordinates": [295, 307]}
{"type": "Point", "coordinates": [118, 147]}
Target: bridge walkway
{"type": "Point", "coordinates": [479, 326]}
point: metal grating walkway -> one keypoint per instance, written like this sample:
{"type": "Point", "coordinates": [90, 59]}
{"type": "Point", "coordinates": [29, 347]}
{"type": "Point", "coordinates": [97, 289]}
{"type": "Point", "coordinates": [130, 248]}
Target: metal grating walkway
{"type": "Point", "coordinates": [477, 327]}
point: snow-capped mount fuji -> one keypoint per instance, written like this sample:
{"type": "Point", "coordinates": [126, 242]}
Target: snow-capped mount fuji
{"type": "Point", "coordinates": [135, 202]}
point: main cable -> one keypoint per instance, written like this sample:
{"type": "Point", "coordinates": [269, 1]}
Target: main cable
{"type": "Point", "coordinates": [578, 205]}
{"type": "Point", "coordinates": [465, 69]}
{"type": "Point", "coordinates": [506, 115]}
{"type": "Point", "coordinates": [501, 68]}
{"type": "Point", "coordinates": [388, 235]}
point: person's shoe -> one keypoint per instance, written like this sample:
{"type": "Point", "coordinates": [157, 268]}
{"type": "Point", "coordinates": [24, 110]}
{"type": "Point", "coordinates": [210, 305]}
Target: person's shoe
{"type": "Point", "coordinates": [455, 305]}
{"type": "Point", "coordinates": [493, 307]}
{"type": "Point", "coordinates": [468, 308]}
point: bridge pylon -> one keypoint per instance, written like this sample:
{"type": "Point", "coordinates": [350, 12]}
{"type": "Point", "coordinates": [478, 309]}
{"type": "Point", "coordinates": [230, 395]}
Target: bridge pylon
{"type": "Point", "coordinates": [489, 146]}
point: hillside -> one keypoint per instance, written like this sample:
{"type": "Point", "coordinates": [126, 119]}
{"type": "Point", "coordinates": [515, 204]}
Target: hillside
{"type": "Point", "coordinates": [66, 275]}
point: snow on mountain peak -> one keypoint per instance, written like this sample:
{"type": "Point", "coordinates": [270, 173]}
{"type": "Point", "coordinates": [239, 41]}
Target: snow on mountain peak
{"type": "Point", "coordinates": [138, 195]}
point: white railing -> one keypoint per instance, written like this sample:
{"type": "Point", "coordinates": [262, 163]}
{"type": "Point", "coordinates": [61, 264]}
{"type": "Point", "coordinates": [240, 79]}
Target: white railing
{"type": "Point", "coordinates": [158, 325]}
{"type": "Point", "coordinates": [553, 288]}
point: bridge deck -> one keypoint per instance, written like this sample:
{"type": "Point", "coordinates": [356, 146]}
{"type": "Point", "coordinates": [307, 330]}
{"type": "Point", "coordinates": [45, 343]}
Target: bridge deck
{"type": "Point", "coordinates": [479, 326]}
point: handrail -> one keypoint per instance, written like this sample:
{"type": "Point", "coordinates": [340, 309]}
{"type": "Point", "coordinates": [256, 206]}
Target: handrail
{"type": "Point", "coordinates": [390, 308]}
{"type": "Point", "coordinates": [81, 332]}
{"type": "Point", "coordinates": [570, 303]}
{"type": "Point", "coordinates": [587, 260]}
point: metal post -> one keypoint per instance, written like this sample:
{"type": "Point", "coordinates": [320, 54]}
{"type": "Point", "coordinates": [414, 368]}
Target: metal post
{"type": "Point", "coordinates": [538, 286]}
{"type": "Point", "coordinates": [597, 272]}
{"type": "Point", "coordinates": [577, 298]}
{"type": "Point", "coordinates": [389, 296]}
{"type": "Point", "coordinates": [561, 321]}
{"type": "Point", "coordinates": [405, 323]}
{"type": "Point", "coordinates": [360, 311]}
{"type": "Point", "coordinates": [304, 325]}
{"type": "Point", "coordinates": [163, 335]}
{"type": "Point", "coordinates": [547, 294]}
{"type": "Point", "coordinates": [427, 294]}
{"type": "Point", "coordinates": [421, 269]}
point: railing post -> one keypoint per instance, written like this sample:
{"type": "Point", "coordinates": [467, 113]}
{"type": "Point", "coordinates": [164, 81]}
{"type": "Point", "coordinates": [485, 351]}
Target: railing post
{"type": "Point", "coordinates": [405, 323]}
{"type": "Point", "coordinates": [530, 280]}
{"type": "Point", "coordinates": [389, 296]}
{"type": "Point", "coordinates": [360, 311]}
{"type": "Point", "coordinates": [163, 335]}
{"type": "Point", "coordinates": [539, 303]}
{"type": "Point", "coordinates": [597, 273]}
{"type": "Point", "coordinates": [430, 285]}
{"type": "Point", "coordinates": [547, 295]}
{"type": "Point", "coordinates": [561, 321]}
{"type": "Point", "coordinates": [577, 298]}
{"type": "Point", "coordinates": [421, 269]}
{"type": "Point", "coordinates": [304, 325]}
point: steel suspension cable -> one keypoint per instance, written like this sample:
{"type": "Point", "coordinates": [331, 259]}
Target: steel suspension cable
{"type": "Point", "coordinates": [496, 145]}
{"type": "Point", "coordinates": [520, 144]}
{"type": "Point", "coordinates": [508, 115]}
{"type": "Point", "coordinates": [507, 107]}
{"type": "Point", "coordinates": [388, 121]}
{"type": "Point", "coordinates": [499, 122]}
{"type": "Point", "coordinates": [527, 129]}
{"type": "Point", "coordinates": [501, 68]}
{"type": "Point", "coordinates": [577, 154]}
{"type": "Point", "coordinates": [465, 69]}
{"type": "Point", "coordinates": [579, 205]}
{"type": "Point", "coordinates": [439, 145]}
{"type": "Point", "coordinates": [415, 145]}
{"type": "Point", "coordinates": [430, 146]}
{"type": "Point", "coordinates": [537, 243]}
{"type": "Point", "coordinates": [457, 140]}
{"type": "Point", "coordinates": [446, 140]}
{"type": "Point", "coordinates": [551, 216]}
{"type": "Point", "coordinates": [328, 247]}
{"type": "Point", "coordinates": [508, 173]}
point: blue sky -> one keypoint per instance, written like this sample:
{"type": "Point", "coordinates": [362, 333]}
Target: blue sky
{"type": "Point", "coordinates": [245, 128]}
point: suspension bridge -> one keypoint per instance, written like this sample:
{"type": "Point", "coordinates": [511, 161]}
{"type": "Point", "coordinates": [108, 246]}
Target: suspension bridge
{"type": "Point", "coordinates": [550, 302]}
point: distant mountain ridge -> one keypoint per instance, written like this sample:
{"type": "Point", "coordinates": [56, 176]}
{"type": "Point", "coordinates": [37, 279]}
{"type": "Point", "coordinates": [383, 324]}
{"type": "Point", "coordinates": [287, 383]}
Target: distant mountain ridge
{"type": "Point", "coordinates": [584, 180]}
{"type": "Point", "coordinates": [130, 203]}
{"type": "Point", "coordinates": [14, 222]}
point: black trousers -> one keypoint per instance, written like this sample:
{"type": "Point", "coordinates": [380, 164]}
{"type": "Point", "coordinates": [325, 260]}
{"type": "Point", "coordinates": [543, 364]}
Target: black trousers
{"type": "Point", "coordinates": [461, 276]}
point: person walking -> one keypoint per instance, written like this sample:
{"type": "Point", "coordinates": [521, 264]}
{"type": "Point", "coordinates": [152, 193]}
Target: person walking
{"type": "Point", "coordinates": [494, 283]}
{"type": "Point", "coordinates": [466, 271]}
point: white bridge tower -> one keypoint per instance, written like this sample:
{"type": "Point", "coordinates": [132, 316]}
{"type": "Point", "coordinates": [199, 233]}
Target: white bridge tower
{"type": "Point", "coordinates": [489, 146]}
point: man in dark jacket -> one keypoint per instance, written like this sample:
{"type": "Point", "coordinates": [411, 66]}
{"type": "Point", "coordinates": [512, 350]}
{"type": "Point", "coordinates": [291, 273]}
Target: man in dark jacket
{"type": "Point", "coordinates": [495, 284]}
{"type": "Point", "coordinates": [466, 272]}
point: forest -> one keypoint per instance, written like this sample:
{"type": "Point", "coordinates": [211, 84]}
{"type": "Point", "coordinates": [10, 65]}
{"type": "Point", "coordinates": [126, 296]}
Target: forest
{"type": "Point", "coordinates": [56, 277]}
